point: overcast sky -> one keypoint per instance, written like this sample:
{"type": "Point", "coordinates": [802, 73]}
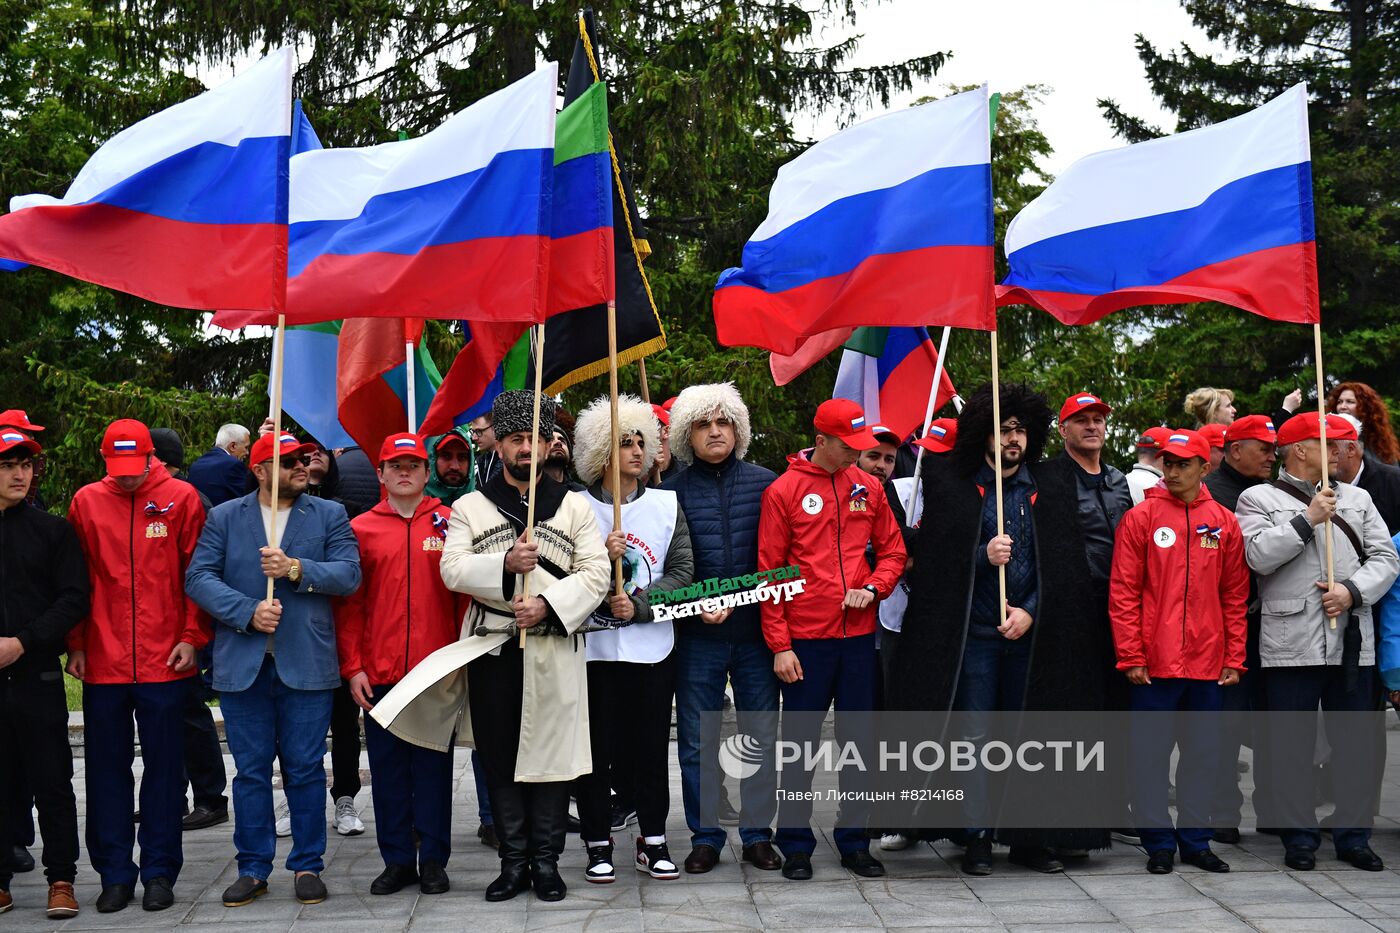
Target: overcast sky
{"type": "Point", "coordinates": [1082, 49]}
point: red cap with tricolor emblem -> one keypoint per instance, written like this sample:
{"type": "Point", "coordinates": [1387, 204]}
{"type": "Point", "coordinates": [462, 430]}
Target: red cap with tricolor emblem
{"type": "Point", "coordinates": [1251, 428]}
{"type": "Point", "coordinates": [125, 447]}
{"type": "Point", "coordinates": [1184, 443]}
{"type": "Point", "coordinates": [942, 434]}
{"type": "Point", "coordinates": [16, 418]}
{"type": "Point", "coordinates": [289, 446]}
{"type": "Point", "coordinates": [1082, 401]}
{"type": "Point", "coordinates": [845, 419]}
{"type": "Point", "coordinates": [402, 445]}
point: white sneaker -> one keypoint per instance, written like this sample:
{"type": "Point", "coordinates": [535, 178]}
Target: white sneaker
{"type": "Point", "coordinates": [284, 819]}
{"type": "Point", "coordinates": [347, 819]}
{"type": "Point", "coordinates": [895, 842]}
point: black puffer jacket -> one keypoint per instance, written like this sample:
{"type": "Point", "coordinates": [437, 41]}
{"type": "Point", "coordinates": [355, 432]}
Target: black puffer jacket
{"type": "Point", "coordinates": [44, 588]}
{"type": "Point", "coordinates": [721, 504]}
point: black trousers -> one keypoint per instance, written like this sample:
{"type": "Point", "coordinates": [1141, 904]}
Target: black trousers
{"type": "Point", "coordinates": [629, 725]}
{"type": "Point", "coordinates": [204, 760]}
{"type": "Point", "coordinates": [34, 739]}
{"type": "Point", "coordinates": [345, 744]}
{"type": "Point", "coordinates": [531, 819]}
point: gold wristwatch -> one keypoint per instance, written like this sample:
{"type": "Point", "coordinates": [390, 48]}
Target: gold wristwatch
{"type": "Point", "coordinates": [294, 572]}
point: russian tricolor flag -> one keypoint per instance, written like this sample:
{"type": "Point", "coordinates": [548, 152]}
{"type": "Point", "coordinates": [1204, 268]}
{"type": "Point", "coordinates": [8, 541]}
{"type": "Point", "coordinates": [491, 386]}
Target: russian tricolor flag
{"type": "Point", "coordinates": [452, 224]}
{"type": "Point", "coordinates": [888, 222]}
{"type": "Point", "coordinates": [891, 381]}
{"type": "Point", "coordinates": [187, 208]}
{"type": "Point", "coordinates": [1223, 213]}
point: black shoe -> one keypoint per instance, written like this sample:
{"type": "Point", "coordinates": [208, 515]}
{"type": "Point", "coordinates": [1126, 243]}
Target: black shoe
{"type": "Point", "coordinates": [798, 867]}
{"type": "Point", "coordinates": [1161, 861]}
{"type": "Point", "coordinates": [600, 868]}
{"type": "Point", "coordinates": [514, 879]}
{"type": "Point", "coordinates": [1300, 859]}
{"type": "Point", "coordinates": [702, 858]}
{"type": "Point", "coordinates": [1229, 836]}
{"type": "Point", "coordinates": [1363, 858]}
{"type": "Point", "coordinates": [203, 817]}
{"type": "Point", "coordinates": [310, 889]}
{"type": "Point", "coordinates": [244, 891]}
{"type": "Point", "coordinates": [549, 885]}
{"type": "Point", "coordinates": [486, 833]}
{"type": "Point", "coordinates": [1268, 830]}
{"type": "Point", "coordinates": [728, 816]}
{"type": "Point", "coordinates": [1036, 858]}
{"type": "Point", "coordinates": [864, 864]}
{"type": "Point", "coordinates": [1206, 860]}
{"type": "Point", "coordinates": [621, 816]}
{"type": "Point", "coordinates": [393, 879]}
{"type": "Point", "coordinates": [977, 857]}
{"type": "Point", "coordinates": [433, 879]}
{"type": "Point", "coordinates": [114, 897]}
{"type": "Point", "coordinates": [21, 861]}
{"type": "Point", "coordinates": [158, 895]}
{"type": "Point", "coordinates": [655, 860]}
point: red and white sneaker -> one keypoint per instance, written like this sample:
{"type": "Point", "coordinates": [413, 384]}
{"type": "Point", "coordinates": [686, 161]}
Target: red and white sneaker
{"type": "Point", "coordinates": [656, 861]}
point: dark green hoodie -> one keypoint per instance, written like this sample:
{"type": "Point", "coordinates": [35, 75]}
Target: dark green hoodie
{"type": "Point", "coordinates": [436, 487]}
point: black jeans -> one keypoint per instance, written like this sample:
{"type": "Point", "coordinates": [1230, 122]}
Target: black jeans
{"type": "Point", "coordinates": [345, 744]}
{"type": "Point", "coordinates": [34, 736]}
{"type": "Point", "coordinates": [629, 726]}
{"type": "Point", "coordinates": [204, 760]}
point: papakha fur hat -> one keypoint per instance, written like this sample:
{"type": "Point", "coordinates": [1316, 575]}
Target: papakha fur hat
{"type": "Point", "coordinates": [697, 403]}
{"type": "Point", "coordinates": [593, 435]}
{"type": "Point", "coordinates": [514, 411]}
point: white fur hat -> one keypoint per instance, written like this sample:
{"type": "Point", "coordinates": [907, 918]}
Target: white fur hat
{"type": "Point", "coordinates": [593, 435]}
{"type": "Point", "coordinates": [698, 403]}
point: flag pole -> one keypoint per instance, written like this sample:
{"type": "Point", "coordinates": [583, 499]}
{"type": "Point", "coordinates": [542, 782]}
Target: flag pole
{"type": "Point", "coordinates": [412, 401]}
{"type": "Point", "coordinates": [279, 345]}
{"type": "Point", "coordinates": [534, 457]}
{"type": "Point", "coordinates": [928, 416]}
{"type": "Point", "coordinates": [996, 447]}
{"type": "Point", "coordinates": [642, 374]}
{"type": "Point", "coordinates": [1322, 435]}
{"type": "Point", "coordinates": [615, 479]}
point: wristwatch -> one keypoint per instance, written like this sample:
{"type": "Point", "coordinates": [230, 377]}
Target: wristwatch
{"type": "Point", "coordinates": [294, 572]}
{"type": "Point", "coordinates": [873, 591]}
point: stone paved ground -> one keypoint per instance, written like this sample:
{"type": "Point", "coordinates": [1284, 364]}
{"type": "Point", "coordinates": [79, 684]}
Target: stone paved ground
{"type": "Point", "coordinates": [1109, 891]}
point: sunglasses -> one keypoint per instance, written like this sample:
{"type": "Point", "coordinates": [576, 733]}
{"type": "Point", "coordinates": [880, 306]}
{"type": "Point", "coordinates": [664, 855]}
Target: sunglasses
{"type": "Point", "coordinates": [290, 463]}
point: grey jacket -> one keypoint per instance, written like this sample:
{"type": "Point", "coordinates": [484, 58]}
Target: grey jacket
{"type": "Point", "coordinates": [1289, 556]}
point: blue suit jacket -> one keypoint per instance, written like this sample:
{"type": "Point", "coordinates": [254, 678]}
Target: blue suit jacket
{"type": "Point", "coordinates": [219, 475]}
{"type": "Point", "coordinates": [225, 578]}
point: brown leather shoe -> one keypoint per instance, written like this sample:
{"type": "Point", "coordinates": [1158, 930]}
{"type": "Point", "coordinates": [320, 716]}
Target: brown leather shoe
{"type": "Point", "coordinates": [6, 902]}
{"type": "Point", "coordinates": [763, 855]}
{"type": "Point", "coordinates": [62, 903]}
{"type": "Point", "coordinates": [701, 859]}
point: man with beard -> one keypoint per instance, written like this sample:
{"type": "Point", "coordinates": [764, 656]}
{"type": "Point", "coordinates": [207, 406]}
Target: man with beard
{"type": "Point", "coordinates": [957, 653]}
{"type": "Point", "coordinates": [560, 456]}
{"type": "Point", "coordinates": [275, 663]}
{"type": "Point", "coordinates": [878, 461]}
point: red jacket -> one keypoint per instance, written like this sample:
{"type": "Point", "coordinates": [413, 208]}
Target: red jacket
{"type": "Point", "coordinates": [137, 547]}
{"type": "Point", "coordinates": [822, 522]}
{"type": "Point", "coordinates": [1179, 588]}
{"type": "Point", "coordinates": [402, 612]}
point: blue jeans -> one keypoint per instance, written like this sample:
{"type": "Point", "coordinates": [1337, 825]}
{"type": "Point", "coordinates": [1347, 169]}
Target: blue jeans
{"type": "Point", "coordinates": [111, 714]}
{"type": "Point", "coordinates": [992, 679]}
{"type": "Point", "coordinates": [840, 671]}
{"type": "Point", "coordinates": [412, 789]}
{"type": "Point", "coordinates": [269, 720]}
{"type": "Point", "coordinates": [1197, 771]}
{"type": "Point", "coordinates": [702, 667]}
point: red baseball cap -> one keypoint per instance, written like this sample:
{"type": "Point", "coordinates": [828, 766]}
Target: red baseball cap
{"type": "Point", "coordinates": [16, 418]}
{"type": "Point", "coordinates": [1184, 443]}
{"type": "Point", "coordinates": [1305, 427]}
{"type": "Point", "coordinates": [1153, 438]}
{"type": "Point", "coordinates": [12, 439]}
{"type": "Point", "coordinates": [885, 434]}
{"type": "Point", "coordinates": [668, 403]}
{"type": "Point", "coordinates": [288, 446]}
{"type": "Point", "coordinates": [942, 434]}
{"type": "Point", "coordinates": [452, 437]}
{"type": "Point", "coordinates": [125, 447]}
{"type": "Point", "coordinates": [1251, 428]}
{"type": "Point", "coordinates": [662, 414]}
{"type": "Point", "coordinates": [845, 419]}
{"type": "Point", "coordinates": [1214, 434]}
{"type": "Point", "coordinates": [1082, 401]}
{"type": "Point", "coordinates": [402, 445]}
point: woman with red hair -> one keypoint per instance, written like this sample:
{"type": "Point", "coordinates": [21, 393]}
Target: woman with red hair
{"type": "Point", "coordinates": [1363, 403]}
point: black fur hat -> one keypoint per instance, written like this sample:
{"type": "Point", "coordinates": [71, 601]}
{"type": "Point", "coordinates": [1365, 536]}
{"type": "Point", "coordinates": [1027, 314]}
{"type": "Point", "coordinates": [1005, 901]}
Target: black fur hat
{"type": "Point", "coordinates": [975, 424]}
{"type": "Point", "coordinates": [514, 411]}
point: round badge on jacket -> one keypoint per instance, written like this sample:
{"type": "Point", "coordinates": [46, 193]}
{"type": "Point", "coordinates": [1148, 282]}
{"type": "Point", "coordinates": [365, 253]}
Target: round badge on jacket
{"type": "Point", "coordinates": [1164, 537]}
{"type": "Point", "coordinates": [811, 503]}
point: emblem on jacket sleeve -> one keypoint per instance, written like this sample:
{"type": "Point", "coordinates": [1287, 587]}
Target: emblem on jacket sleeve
{"type": "Point", "coordinates": [1210, 537]}
{"type": "Point", "coordinates": [1164, 537]}
{"type": "Point", "coordinates": [811, 503]}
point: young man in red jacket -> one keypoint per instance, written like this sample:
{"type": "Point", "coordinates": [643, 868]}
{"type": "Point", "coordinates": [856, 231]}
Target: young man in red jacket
{"type": "Point", "coordinates": [135, 653]}
{"type": "Point", "coordinates": [820, 515]}
{"type": "Point", "coordinates": [401, 613]}
{"type": "Point", "coordinates": [1177, 600]}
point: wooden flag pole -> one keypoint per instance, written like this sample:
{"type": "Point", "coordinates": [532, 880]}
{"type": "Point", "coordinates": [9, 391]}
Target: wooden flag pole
{"type": "Point", "coordinates": [1322, 453]}
{"type": "Point", "coordinates": [534, 457]}
{"type": "Point", "coordinates": [615, 479]}
{"type": "Point", "coordinates": [929, 409]}
{"type": "Point", "coordinates": [642, 373]}
{"type": "Point", "coordinates": [279, 345]}
{"type": "Point", "coordinates": [996, 447]}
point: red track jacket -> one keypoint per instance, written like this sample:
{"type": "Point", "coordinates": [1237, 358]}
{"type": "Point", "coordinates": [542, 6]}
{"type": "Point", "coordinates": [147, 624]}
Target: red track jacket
{"type": "Point", "coordinates": [1179, 588]}
{"type": "Point", "coordinates": [822, 522]}
{"type": "Point", "coordinates": [402, 612]}
{"type": "Point", "coordinates": [137, 547]}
